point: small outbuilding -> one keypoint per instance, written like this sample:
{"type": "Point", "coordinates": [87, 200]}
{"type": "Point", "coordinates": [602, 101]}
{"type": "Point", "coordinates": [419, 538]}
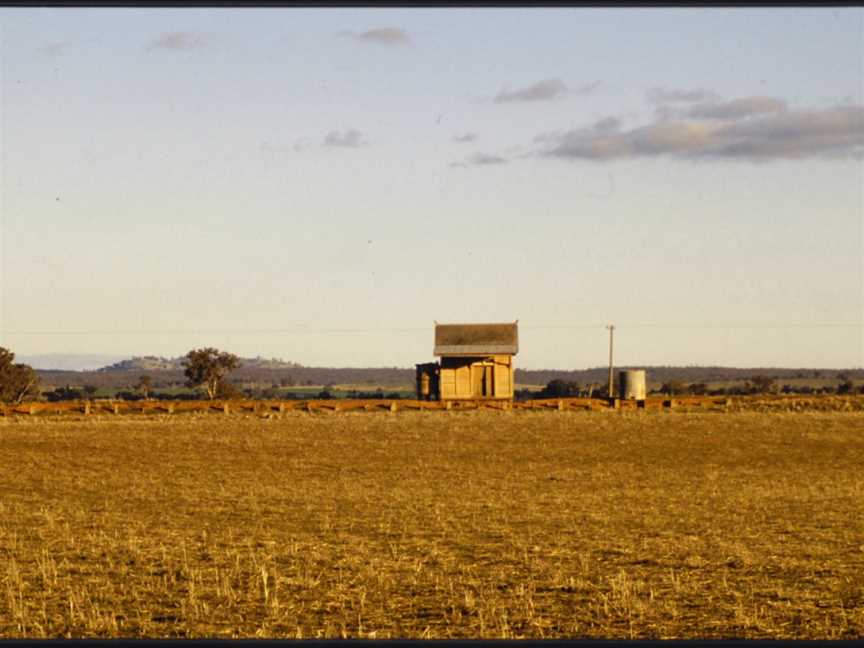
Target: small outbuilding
{"type": "Point", "coordinates": [476, 362]}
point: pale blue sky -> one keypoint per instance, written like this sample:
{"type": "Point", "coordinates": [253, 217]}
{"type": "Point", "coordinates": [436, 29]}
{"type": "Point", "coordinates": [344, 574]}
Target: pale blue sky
{"type": "Point", "coordinates": [322, 184]}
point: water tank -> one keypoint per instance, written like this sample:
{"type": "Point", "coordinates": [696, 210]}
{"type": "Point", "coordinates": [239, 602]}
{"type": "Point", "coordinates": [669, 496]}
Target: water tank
{"type": "Point", "coordinates": [631, 384]}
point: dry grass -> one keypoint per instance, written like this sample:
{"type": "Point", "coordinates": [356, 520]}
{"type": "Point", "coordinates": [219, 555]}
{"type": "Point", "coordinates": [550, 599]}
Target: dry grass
{"type": "Point", "coordinates": [524, 524]}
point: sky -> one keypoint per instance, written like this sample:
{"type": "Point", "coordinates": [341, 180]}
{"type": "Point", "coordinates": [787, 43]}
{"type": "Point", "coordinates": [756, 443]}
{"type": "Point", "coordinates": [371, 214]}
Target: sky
{"type": "Point", "coordinates": [323, 185]}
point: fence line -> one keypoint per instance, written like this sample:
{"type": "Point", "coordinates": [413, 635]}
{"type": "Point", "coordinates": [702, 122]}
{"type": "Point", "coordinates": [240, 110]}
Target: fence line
{"type": "Point", "coordinates": [268, 408]}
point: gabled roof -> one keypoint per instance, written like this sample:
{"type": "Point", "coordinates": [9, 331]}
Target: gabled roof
{"type": "Point", "coordinates": [476, 339]}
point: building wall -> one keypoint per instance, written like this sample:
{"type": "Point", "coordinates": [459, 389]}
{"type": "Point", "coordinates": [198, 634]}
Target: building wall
{"type": "Point", "coordinates": [476, 377]}
{"type": "Point", "coordinates": [504, 376]}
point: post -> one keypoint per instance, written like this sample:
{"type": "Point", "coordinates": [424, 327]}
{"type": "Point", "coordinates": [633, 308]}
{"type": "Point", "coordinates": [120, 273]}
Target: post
{"type": "Point", "coordinates": [611, 328]}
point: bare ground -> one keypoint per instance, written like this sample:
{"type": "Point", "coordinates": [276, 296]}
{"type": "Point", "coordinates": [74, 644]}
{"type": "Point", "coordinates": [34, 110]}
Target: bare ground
{"type": "Point", "coordinates": [436, 525]}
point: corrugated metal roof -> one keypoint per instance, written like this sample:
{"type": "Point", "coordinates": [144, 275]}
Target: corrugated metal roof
{"type": "Point", "coordinates": [476, 339]}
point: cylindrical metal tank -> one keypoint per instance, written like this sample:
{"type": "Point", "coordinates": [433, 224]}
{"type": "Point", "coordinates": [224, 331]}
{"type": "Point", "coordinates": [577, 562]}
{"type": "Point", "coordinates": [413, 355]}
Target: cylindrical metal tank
{"type": "Point", "coordinates": [631, 384]}
{"type": "Point", "coordinates": [427, 381]}
{"type": "Point", "coordinates": [423, 382]}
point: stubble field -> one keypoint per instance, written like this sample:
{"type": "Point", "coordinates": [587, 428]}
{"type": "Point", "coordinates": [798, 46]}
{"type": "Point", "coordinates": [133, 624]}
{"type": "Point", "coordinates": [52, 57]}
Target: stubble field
{"type": "Point", "coordinates": [434, 525]}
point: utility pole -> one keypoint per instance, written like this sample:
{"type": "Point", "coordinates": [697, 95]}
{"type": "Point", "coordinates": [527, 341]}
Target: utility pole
{"type": "Point", "coordinates": [611, 328]}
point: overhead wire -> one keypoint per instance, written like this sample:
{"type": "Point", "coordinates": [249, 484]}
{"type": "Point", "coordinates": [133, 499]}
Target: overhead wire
{"type": "Point", "coordinates": [305, 330]}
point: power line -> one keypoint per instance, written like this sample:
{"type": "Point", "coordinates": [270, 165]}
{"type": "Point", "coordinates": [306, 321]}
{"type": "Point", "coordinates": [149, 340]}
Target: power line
{"type": "Point", "coordinates": [212, 331]}
{"type": "Point", "coordinates": [716, 325]}
{"type": "Point", "coordinates": [339, 331]}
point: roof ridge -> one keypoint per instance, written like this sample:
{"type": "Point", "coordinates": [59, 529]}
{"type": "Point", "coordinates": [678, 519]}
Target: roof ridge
{"type": "Point", "coordinates": [477, 323]}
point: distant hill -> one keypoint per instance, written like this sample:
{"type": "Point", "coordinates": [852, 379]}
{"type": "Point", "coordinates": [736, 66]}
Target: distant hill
{"type": "Point", "coordinates": [263, 372]}
{"type": "Point", "coordinates": [144, 363]}
{"type": "Point", "coordinates": [660, 374]}
{"type": "Point", "coordinates": [158, 363]}
{"type": "Point", "coordinates": [68, 361]}
{"type": "Point", "coordinates": [387, 377]}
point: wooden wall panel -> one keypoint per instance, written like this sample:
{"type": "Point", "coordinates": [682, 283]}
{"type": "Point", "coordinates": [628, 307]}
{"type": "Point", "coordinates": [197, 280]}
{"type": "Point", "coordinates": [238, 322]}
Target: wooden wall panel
{"type": "Point", "coordinates": [463, 381]}
{"type": "Point", "coordinates": [466, 377]}
{"type": "Point", "coordinates": [448, 382]}
{"type": "Point", "coordinates": [503, 382]}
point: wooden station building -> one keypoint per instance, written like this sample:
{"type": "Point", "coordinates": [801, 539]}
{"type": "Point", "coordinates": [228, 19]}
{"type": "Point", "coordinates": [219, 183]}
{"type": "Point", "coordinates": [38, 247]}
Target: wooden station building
{"type": "Point", "coordinates": [476, 363]}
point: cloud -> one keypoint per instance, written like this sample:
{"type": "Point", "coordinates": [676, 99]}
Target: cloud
{"type": "Point", "coordinates": [348, 139]}
{"type": "Point", "coordinates": [723, 110]}
{"type": "Point", "coordinates": [299, 144]}
{"type": "Point", "coordinates": [587, 88]}
{"type": "Point", "coordinates": [465, 137]}
{"type": "Point", "coordinates": [485, 159]}
{"type": "Point", "coordinates": [837, 131]}
{"type": "Point", "coordinates": [541, 91]}
{"type": "Point", "coordinates": [381, 35]}
{"type": "Point", "coordinates": [481, 159]}
{"type": "Point", "coordinates": [750, 132]}
{"type": "Point", "coordinates": [607, 125]}
{"type": "Point", "coordinates": [601, 126]}
{"type": "Point", "coordinates": [56, 48]}
{"type": "Point", "coordinates": [665, 95]}
{"type": "Point", "coordinates": [545, 90]}
{"type": "Point", "coordinates": [177, 41]}
{"type": "Point", "coordinates": [737, 108]}
{"type": "Point", "coordinates": [333, 139]}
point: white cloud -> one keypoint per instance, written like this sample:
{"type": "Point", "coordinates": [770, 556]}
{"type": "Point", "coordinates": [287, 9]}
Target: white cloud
{"type": "Point", "coordinates": [754, 129]}
{"type": "Point", "coordinates": [586, 88]}
{"type": "Point", "coordinates": [299, 144]}
{"type": "Point", "coordinates": [541, 91]}
{"type": "Point", "coordinates": [545, 90]}
{"type": "Point", "coordinates": [481, 159]}
{"type": "Point", "coordinates": [465, 137]}
{"type": "Point", "coordinates": [381, 36]}
{"type": "Point", "coordinates": [666, 95]}
{"type": "Point", "coordinates": [737, 108]}
{"type": "Point", "coordinates": [177, 40]}
{"type": "Point", "coordinates": [348, 139]}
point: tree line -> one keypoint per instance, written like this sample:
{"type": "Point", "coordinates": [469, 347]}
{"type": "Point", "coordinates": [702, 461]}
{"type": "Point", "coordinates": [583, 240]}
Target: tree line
{"type": "Point", "coordinates": [756, 384]}
{"type": "Point", "coordinates": [203, 368]}
{"type": "Point", "coordinates": [207, 369]}
{"type": "Point", "coordinates": [18, 382]}
{"type": "Point", "coordinates": [386, 377]}
{"type": "Point", "coordinates": [391, 378]}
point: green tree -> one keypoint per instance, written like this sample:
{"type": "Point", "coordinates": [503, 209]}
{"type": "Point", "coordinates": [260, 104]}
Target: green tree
{"type": "Point", "coordinates": [558, 388]}
{"type": "Point", "coordinates": [226, 390]}
{"type": "Point", "coordinates": [208, 367]}
{"type": "Point", "coordinates": [762, 384]}
{"type": "Point", "coordinates": [144, 384]}
{"type": "Point", "coordinates": [64, 394]}
{"type": "Point", "coordinates": [17, 381]}
{"type": "Point", "coordinates": [846, 386]}
{"type": "Point", "coordinates": [271, 392]}
{"type": "Point", "coordinates": [673, 388]}
{"type": "Point", "coordinates": [698, 389]}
